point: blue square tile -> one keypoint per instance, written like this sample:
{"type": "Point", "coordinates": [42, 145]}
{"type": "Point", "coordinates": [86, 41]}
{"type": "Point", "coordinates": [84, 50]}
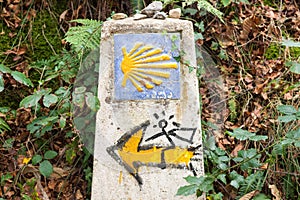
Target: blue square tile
{"type": "Point", "coordinates": [145, 66]}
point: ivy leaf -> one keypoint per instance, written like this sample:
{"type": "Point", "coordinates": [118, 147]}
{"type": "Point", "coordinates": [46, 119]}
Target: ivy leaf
{"type": "Point", "coordinates": [294, 134]}
{"type": "Point", "coordinates": [258, 138]}
{"type": "Point", "coordinates": [225, 2]}
{"type": "Point", "coordinates": [80, 90]}
{"type": "Point", "coordinates": [194, 180]}
{"type": "Point", "coordinates": [62, 122]}
{"type": "Point", "coordinates": [222, 177]}
{"type": "Point", "coordinates": [4, 69]}
{"type": "Point", "coordinates": [252, 155]}
{"type": "Point", "coordinates": [78, 100]}
{"type": "Point", "coordinates": [50, 154]}
{"type": "Point", "coordinates": [295, 68]}
{"type": "Point", "coordinates": [290, 43]}
{"type": "Point", "coordinates": [21, 78]}
{"type": "Point", "coordinates": [235, 184]}
{"type": "Point", "coordinates": [187, 190]}
{"type": "Point", "coordinates": [49, 99]}
{"type": "Point", "coordinates": [92, 101]}
{"type": "Point", "coordinates": [190, 11]}
{"type": "Point", "coordinates": [211, 143]}
{"type": "Point", "coordinates": [62, 92]}
{"type": "Point", "coordinates": [8, 143]}
{"type": "Point", "coordinates": [36, 159]}
{"type": "Point", "coordinates": [41, 125]}
{"type": "Point", "coordinates": [31, 100]}
{"type": "Point", "coordinates": [46, 168]}
{"type": "Point", "coordinates": [287, 118]}
{"type": "Point", "coordinates": [287, 141]}
{"type": "Point", "coordinates": [241, 134]}
{"type": "Point", "coordinates": [286, 109]}
{"type": "Point", "coordinates": [1, 83]}
{"type": "Point", "coordinates": [198, 36]}
{"type": "Point", "coordinates": [236, 179]}
{"type": "Point", "coordinates": [223, 55]}
{"type": "Point", "coordinates": [297, 144]}
{"type": "Point", "coordinates": [207, 184]}
{"type": "Point", "coordinates": [278, 149]}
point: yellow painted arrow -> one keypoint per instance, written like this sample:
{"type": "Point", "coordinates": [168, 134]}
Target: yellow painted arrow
{"type": "Point", "coordinates": [128, 153]}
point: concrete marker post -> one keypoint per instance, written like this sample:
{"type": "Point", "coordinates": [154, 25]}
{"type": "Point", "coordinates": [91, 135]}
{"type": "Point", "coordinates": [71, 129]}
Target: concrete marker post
{"type": "Point", "coordinates": [148, 130]}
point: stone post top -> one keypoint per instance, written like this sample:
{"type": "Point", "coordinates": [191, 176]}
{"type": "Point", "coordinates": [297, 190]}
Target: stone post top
{"type": "Point", "coordinates": [145, 26]}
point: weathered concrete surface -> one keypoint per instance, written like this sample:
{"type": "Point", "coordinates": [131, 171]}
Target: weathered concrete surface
{"type": "Point", "coordinates": [145, 146]}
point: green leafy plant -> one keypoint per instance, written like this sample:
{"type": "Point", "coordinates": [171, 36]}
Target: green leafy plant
{"type": "Point", "coordinates": [286, 148]}
{"type": "Point", "coordinates": [201, 4]}
{"type": "Point", "coordinates": [240, 171]}
{"type": "Point", "coordinates": [45, 167]}
{"type": "Point", "coordinates": [290, 113]}
{"type": "Point", "coordinates": [5, 177]}
{"type": "Point", "coordinates": [242, 135]}
{"type": "Point", "coordinates": [219, 161]}
{"type": "Point", "coordinates": [292, 137]}
{"type": "Point", "coordinates": [18, 76]}
{"type": "Point", "coordinates": [293, 64]}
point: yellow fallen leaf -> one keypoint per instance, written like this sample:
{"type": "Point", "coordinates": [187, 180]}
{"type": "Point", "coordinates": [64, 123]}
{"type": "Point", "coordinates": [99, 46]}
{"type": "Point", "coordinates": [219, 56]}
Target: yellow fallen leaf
{"type": "Point", "coordinates": [26, 160]}
{"type": "Point", "coordinates": [209, 198]}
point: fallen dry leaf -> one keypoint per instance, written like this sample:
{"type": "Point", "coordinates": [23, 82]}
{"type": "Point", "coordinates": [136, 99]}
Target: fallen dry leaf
{"type": "Point", "coordinates": [249, 24]}
{"type": "Point", "coordinates": [249, 195]}
{"type": "Point", "coordinates": [58, 173]}
{"type": "Point", "coordinates": [63, 15]}
{"type": "Point", "coordinates": [78, 195]}
{"type": "Point", "coordinates": [275, 192]}
{"type": "Point", "coordinates": [51, 184]}
{"type": "Point", "coordinates": [265, 166]}
{"type": "Point", "coordinates": [236, 149]}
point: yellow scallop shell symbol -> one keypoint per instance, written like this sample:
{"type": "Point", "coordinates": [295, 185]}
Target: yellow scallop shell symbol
{"type": "Point", "coordinates": [143, 64]}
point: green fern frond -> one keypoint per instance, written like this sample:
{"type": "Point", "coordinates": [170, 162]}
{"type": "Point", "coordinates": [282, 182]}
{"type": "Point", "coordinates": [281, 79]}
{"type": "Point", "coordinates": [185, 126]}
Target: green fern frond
{"type": "Point", "coordinates": [84, 37]}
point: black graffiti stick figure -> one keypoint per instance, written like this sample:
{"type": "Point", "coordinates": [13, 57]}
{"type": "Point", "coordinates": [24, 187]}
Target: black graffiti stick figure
{"type": "Point", "coordinates": [163, 125]}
